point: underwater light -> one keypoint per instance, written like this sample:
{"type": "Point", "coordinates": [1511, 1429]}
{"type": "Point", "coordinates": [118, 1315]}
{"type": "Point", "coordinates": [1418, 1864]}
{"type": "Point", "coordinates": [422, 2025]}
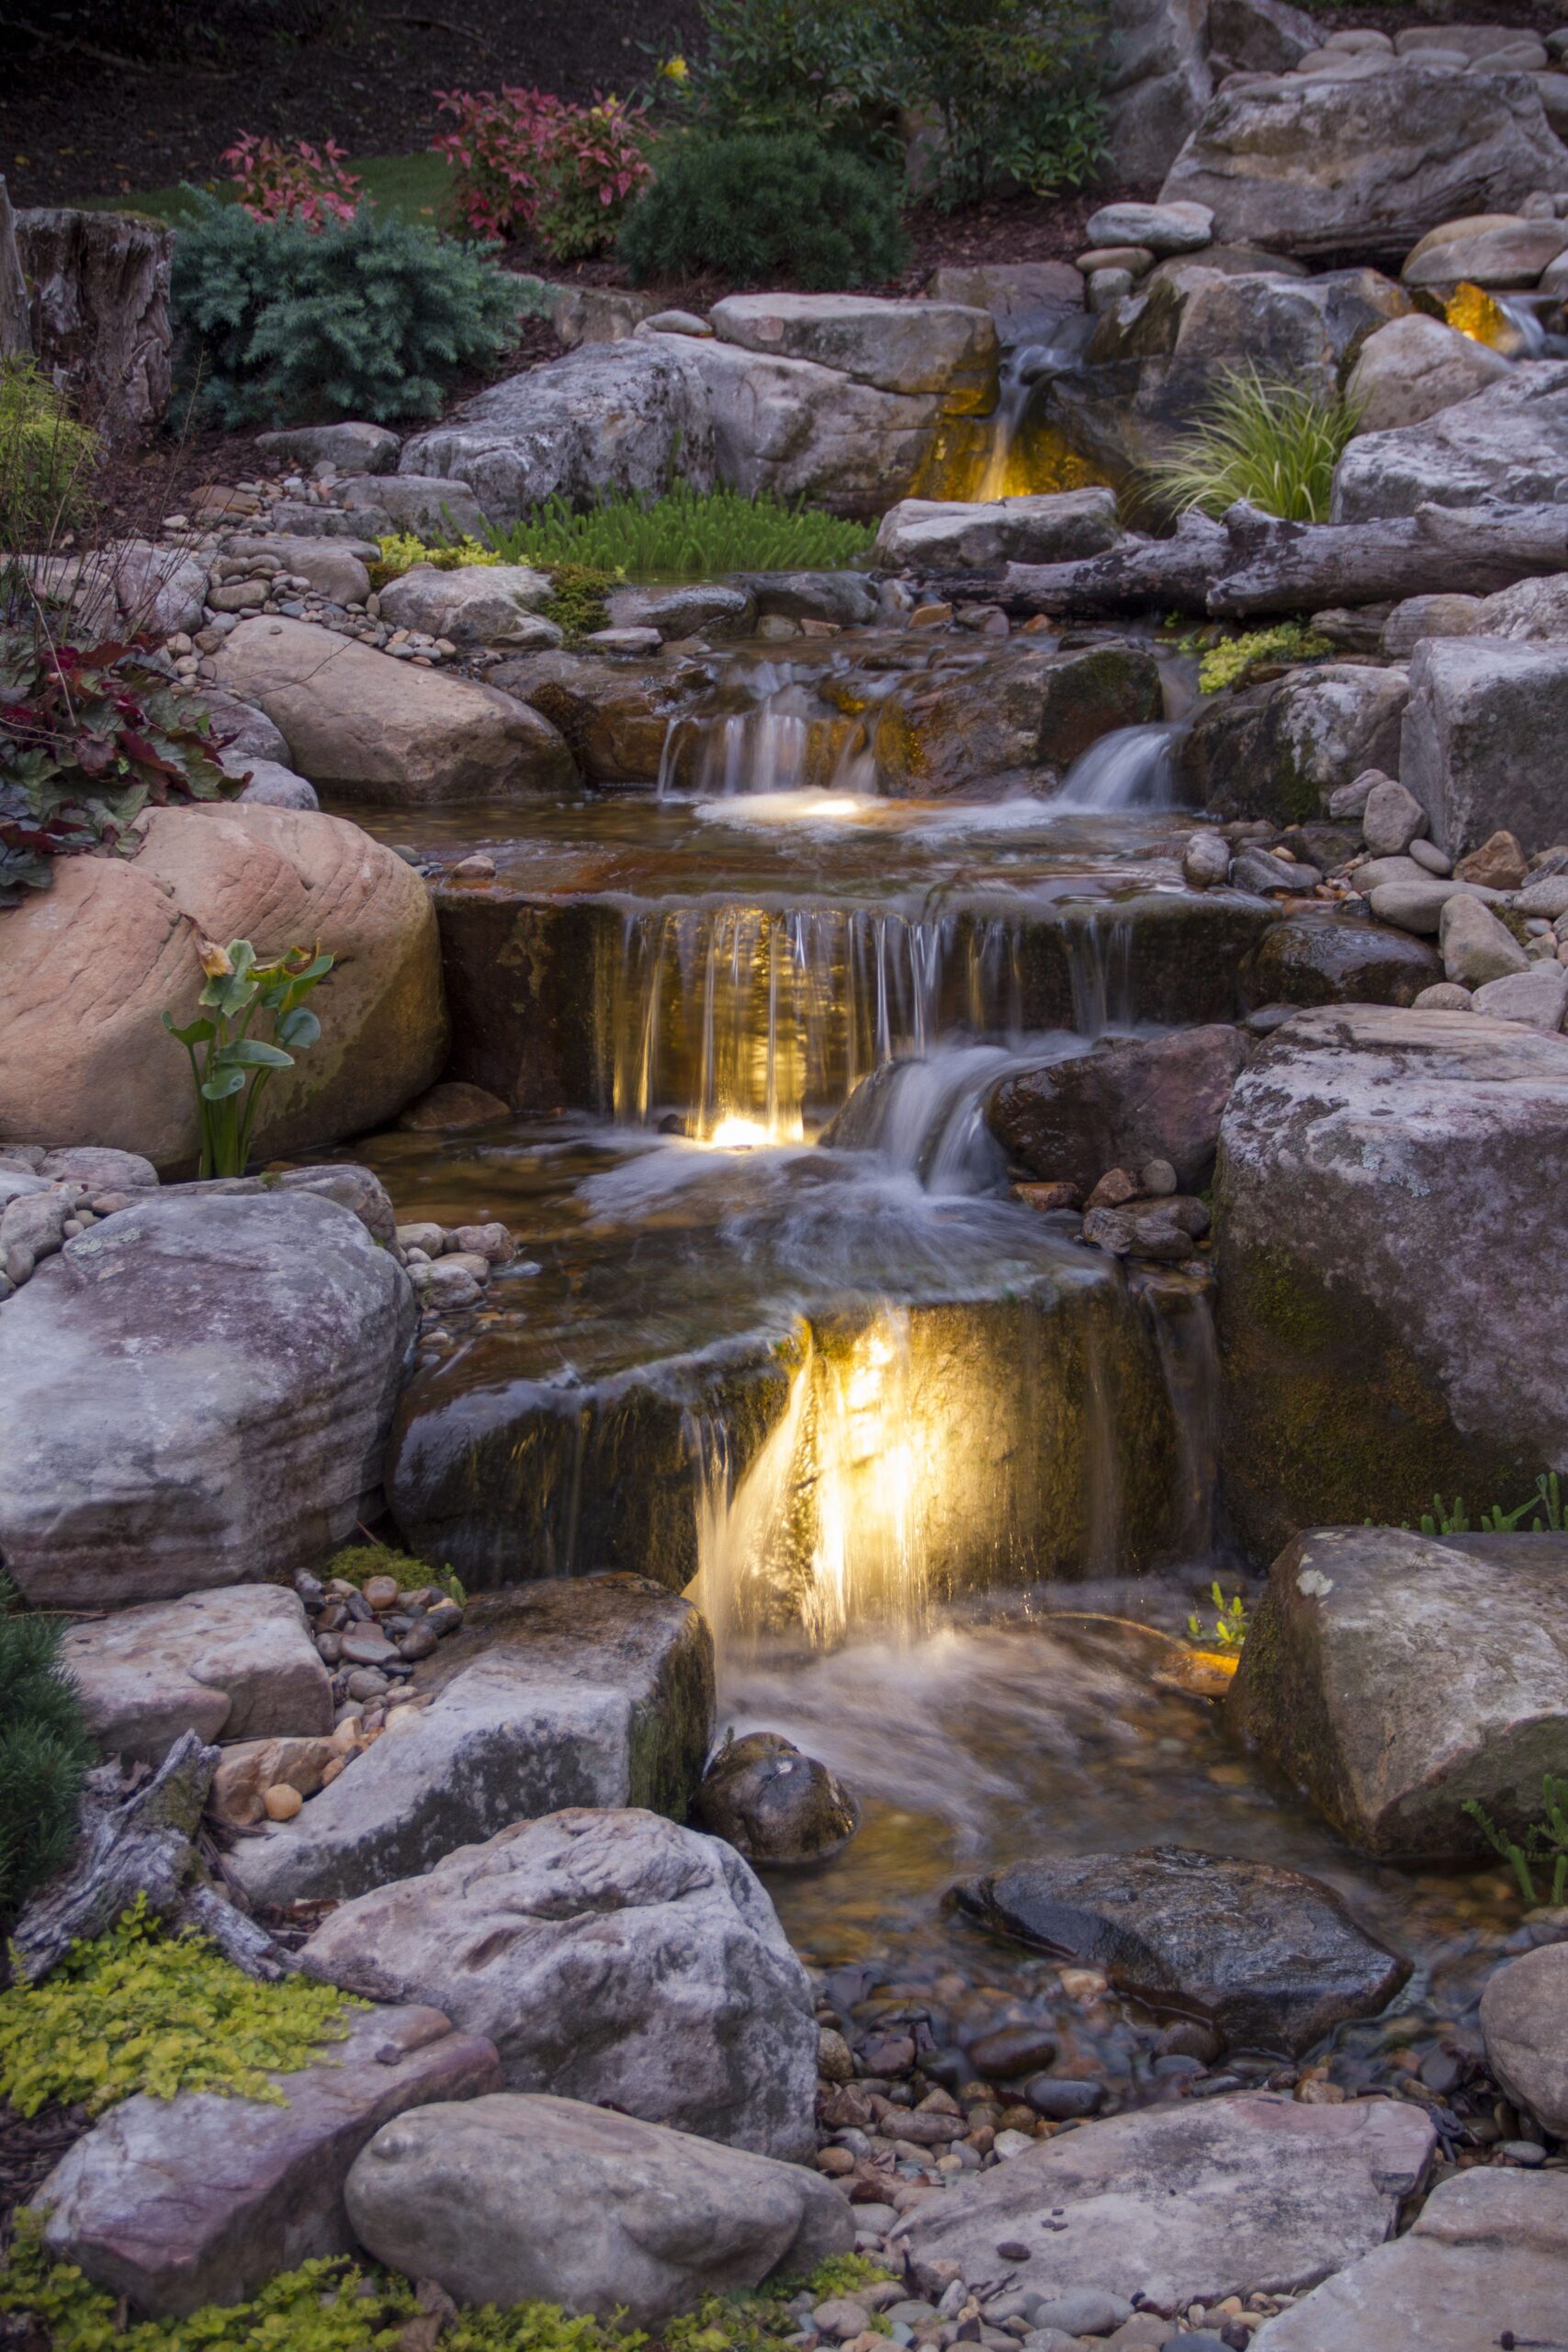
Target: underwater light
{"type": "Point", "coordinates": [735, 1134]}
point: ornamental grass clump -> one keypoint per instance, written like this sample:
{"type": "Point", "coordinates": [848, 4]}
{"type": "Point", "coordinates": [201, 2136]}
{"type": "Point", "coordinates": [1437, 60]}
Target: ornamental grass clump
{"type": "Point", "coordinates": [45, 1748]}
{"type": "Point", "coordinates": [1272, 443]}
{"type": "Point", "coordinates": [686, 534]}
{"type": "Point", "coordinates": [141, 2011]}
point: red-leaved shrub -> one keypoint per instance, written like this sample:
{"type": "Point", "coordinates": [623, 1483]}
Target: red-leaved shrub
{"type": "Point", "coordinates": [526, 164]}
{"type": "Point", "coordinates": [303, 183]}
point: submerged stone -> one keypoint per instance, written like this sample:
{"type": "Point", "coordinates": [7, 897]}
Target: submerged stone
{"type": "Point", "coordinates": [774, 1805]}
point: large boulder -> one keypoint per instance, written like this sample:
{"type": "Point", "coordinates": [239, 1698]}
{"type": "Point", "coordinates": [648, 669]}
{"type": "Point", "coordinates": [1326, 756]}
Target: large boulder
{"type": "Point", "coordinates": [1131, 1101]}
{"type": "Point", "coordinates": [1407, 370]}
{"type": "Point", "coordinates": [1021, 708]}
{"type": "Point", "coordinates": [1272, 1960]}
{"type": "Point", "coordinates": [1328, 959]}
{"type": "Point", "coordinates": [959, 535]}
{"type": "Point", "coordinates": [229, 1664]}
{"type": "Point", "coordinates": [1307, 166]}
{"type": "Point", "coordinates": [595, 1690]}
{"type": "Point", "coordinates": [1157, 84]}
{"type": "Point", "coordinates": [179, 2202]}
{"type": "Point", "coordinates": [1487, 2244]}
{"type": "Point", "coordinates": [938, 347]}
{"type": "Point", "coordinates": [1028, 301]}
{"type": "Point", "coordinates": [195, 1392]}
{"type": "Point", "coordinates": [479, 604]}
{"type": "Point", "coordinates": [511, 2198]}
{"type": "Point", "coordinates": [1479, 747]}
{"type": "Point", "coordinates": [610, 416]}
{"type": "Point", "coordinates": [1390, 1274]}
{"type": "Point", "coordinates": [1398, 1678]}
{"type": "Point", "coordinates": [612, 1957]}
{"type": "Point", "coordinates": [1131, 2206]}
{"type": "Point", "coordinates": [1507, 443]}
{"type": "Point", "coordinates": [1524, 2019]}
{"type": "Point", "coordinates": [614, 716]}
{"type": "Point", "coordinates": [1280, 750]}
{"type": "Point", "coordinates": [91, 966]}
{"type": "Point", "coordinates": [99, 307]}
{"type": "Point", "coordinates": [366, 725]}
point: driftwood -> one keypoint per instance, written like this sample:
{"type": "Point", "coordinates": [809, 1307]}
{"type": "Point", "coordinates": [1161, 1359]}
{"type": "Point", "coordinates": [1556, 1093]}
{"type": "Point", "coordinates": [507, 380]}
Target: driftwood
{"type": "Point", "coordinates": [141, 1844]}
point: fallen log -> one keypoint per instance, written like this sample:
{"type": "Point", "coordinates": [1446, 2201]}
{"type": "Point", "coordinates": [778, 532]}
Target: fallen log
{"type": "Point", "coordinates": [1136, 575]}
{"type": "Point", "coordinates": [1278, 567]}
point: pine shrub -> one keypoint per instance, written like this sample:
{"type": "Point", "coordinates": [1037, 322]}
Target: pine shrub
{"type": "Point", "coordinates": [45, 1748]}
{"type": "Point", "coordinates": [767, 206]}
{"type": "Point", "coordinates": [373, 317]}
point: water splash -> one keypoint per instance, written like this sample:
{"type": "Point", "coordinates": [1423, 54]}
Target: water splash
{"type": "Point", "coordinates": [1132, 767]}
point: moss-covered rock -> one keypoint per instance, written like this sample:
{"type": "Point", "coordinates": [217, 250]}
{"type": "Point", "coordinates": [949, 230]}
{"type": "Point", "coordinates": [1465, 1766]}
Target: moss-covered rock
{"type": "Point", "coordinates": [1328, 959]}
{"type": "Point", "coordinates": [1278, 750]}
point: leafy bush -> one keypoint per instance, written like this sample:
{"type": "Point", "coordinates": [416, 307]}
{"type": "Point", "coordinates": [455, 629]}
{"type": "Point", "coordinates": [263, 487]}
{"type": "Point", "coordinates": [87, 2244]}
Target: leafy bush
{"type": "Point", "coordinates": [89, 737]}
{"type": "Point", "coordinates": [138, 2010]}
{"type": "Point", "coordinates": [373, 317]}
{"type": "Point", "coordinates": [44, 1750]}
{"type": "Point", "coordinates": [1016, 85]}
{"type": "Point", "coordinates": [685, 535]}
{"type": "Point", "coordinates": [528, 163]}
{"type": "Point", "coordinates": [46, 459]}
{"type": "Point", "coordinates": [1222, 664]}
{"type": "Point", "coordinates": [579, 598]}
{"type": "Point", "coordinates": [305, 183]}
{"type": "Point", "coordinates": [828, 67]}
{"type": "Point", "coordinates": [766, 207]}
{"type": "Point", "coordinates": [401, 551]}
{"type": "Point", "coordinates": [234, 1067]}
{"type": "Point", "coordinates": [1272, 443]}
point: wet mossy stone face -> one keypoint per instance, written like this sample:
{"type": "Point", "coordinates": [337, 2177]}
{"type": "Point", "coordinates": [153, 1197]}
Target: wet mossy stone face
{"type": "Point", "coordinates": [774, 1805]}
{"type": "Point", "coordinates": [1278, 751]}
{"type": "Point", "coordinates": [1328, 960]}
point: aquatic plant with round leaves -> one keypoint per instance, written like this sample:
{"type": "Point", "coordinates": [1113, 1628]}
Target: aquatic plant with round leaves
{"type": "Point", "coordinates": [234, 1067]}
{"type": "Point", "coordinates": [1261, 438]}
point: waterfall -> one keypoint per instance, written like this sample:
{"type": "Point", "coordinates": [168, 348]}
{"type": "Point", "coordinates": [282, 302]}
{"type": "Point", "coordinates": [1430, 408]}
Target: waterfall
{"type": "Point", "coordinates": [1132, 767]}
{"type": "Point", "coordinates": [1178, 1309]}
{"type": "Point", "coordinates": [779, 740]}
{"type": "Point", "coordinates": [1099, 971]}
{"type": "Point", "coordinates": [1021, 372]}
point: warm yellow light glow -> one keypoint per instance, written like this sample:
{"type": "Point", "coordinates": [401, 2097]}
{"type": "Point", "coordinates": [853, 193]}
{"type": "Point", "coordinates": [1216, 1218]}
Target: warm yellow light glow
{"type": "Point", "coordinates": [870, 1463]}
{"type": "Point", "coordinates": [1474, 313]}
{"type": "Point", "coordinates": [735, 1134]}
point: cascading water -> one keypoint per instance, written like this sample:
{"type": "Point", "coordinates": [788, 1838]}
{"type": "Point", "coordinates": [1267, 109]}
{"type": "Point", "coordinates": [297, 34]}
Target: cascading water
{"type": "Point", "coordinates": [1132, 767]}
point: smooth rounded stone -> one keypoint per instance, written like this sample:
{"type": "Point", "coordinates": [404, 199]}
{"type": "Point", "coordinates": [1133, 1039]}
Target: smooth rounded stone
{"type": "Point", "coordinates": [1108, 287]}
{"type": "Point", "coordinates": [1524, 2021]}
{"type": "Point", "coordinates": [1491, 251]}
{"type": "Point", "coordinates": [453, 1108]}
{"type": "Point", "coordinates": [1138, 259]}
{"type": "Point", "coordinates": [348, 448]}
{"type": "Point", "coordinates": [1474, 945]}
{"type": "Point", "coordinates": [1268, 876]}
{"type": "Point", "coordinates": [1430, 858]}
{"type": "Point", "coordinates": [712, 609]}
{"type": "Point", "coordinates": [252, 1771]}
{"type": "Point", "coordinates": [1538, 997]}
{"type": "Point", "coordinates": [511, 2198]}
{"type": "Point", "coordinates": [1269, 1957]}
{"type": "Point", "coordinates": [238, 1665]}
{"type": "Point", "coordinates": [1128, 1101]}
{"type": "Point", "coordinates": [1443, 996]}
{"type": "Point", "coordinates": [1163, 228]}
{"type": "Point", "coordinates": [1009, 2050]}
{"type": "Point", "coordinates": [610, 1956]}
{"type": "Point", "coordinates": [1441, 615]}
{"type": "Point", "coordinates": [1206, 861]}
{"type": "Point", "coordinates": [959, 535]}
{"type": "Point", "coordinates": [1063, 2099]}
{"type": "Point", "coordinates": [675, 322]}
{"type": "Point", "coordinates": [1415, 905]}
{"type": "Point", "coordinates": [1411, 369]}
{"type": "Point", "coordinates": [774, 1805]}
{"type": "Point", "coordinates": [477, 605]}
{"type": "Point", "coordinates": [1488, 2248]}
{"type": "Point", "coordinates": [1330, 959]}
{"type": "Point", "coordinates": [1392, 819]}
{"type": "Point", "coordinates": [1548, 898]}
{"type": "Point", "coordinates": [846, 599]}
{"type": "Point", "coordinates": [179, 2202]}
{"type": "Point", "coordinates": [1498, 864]}
{"type": "Point", "coordinates": [1347, 800]}
{"type": "Point", "coordinates": [443, 1285]}
{"type": "Point", "coordinates": [270, 786]}
{"type": "Point", "coordinates": [1304, 2189]}
{"type": "Point", "coordinates": [492, 1241]}
{"type": "Point", "coordinates": [104, 1169]}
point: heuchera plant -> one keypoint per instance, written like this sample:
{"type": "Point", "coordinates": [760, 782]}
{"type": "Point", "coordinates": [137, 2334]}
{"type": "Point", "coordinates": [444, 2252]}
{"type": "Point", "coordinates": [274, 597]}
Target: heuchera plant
{"type": "Point", "coordinates": [89, 738]}
{"type": "Point", "coordinates": [302, 183]}
{"type": "Point", "coordinates": [528, 163]}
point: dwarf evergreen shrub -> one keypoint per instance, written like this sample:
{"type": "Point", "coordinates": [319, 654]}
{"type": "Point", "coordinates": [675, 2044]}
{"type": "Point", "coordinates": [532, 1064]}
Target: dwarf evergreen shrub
{"type": "Point", "coordinates": [45, 1748]}
{"type": "Point", "coordinates": [767, 206]}
{"type": "Point", "coordinates": [372, 317]}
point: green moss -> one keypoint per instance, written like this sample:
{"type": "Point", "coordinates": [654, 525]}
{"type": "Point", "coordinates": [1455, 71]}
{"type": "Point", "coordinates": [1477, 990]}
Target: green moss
{"type": "Point", "coordinates": [578, 597]}
{"type": "Point", "coordinates": [1229, 661]}
{"type": "Point", "coordinates": [357, 1563]}
{"type": "Point", "coordinates": [142, 2011]}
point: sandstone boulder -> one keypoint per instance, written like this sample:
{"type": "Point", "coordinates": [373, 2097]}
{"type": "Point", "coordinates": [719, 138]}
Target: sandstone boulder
{"type": "Point", "coordinates": [91, 966]}
{"type": "Point", "coordinates": [1507, 443]}
{"type": "Point", "coordinates": [593, 1690]}
{"type": "Point", "coordinates": [512, 2198]}
{"type": "Point", "coordinates": [1478, 748]}
{"type": "Point", "coordinates": [1027, 299]}
{"type": "Point", "coordinates": [610, 1957]}
{"type": "Point", "coordinates": [957, 535]}
{"type": "Point", "coordinates": [229, 1664]}
{"type": "Point", "coordinates": [195, 1392]}
{"type": "Point", "coordinates": [1131, 1101]}
{"type": "Point", "coordinates": [177, 2202]}
{"type": "Point", "coordinates": [1407, 370]}
{"type": "Point", "coordinates": [334, 568]}
{"type": "Point", "coordinates": [362, 724]}
{"type": "Point", "coordinates": [1523, 2018]}
{"type": "Point", "coordinates": [1385, 1221]}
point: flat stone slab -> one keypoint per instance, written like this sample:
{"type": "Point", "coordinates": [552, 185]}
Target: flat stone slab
{"type": "Point", "coordinates": [593, 1690]}
{"type": "Point", "coordinates": [511, 2200]}
{"type": "Point", "coordinates": [977, 533]}
{"type": "Point", "coordinates": [228, 1666]}
{"type": "Point", "coordinates": [198, 2199]}
{"type": "Point", "coordinates": [1269, 1957]}
{"type": "Point", "coordinates": [1249, 2194]}
{"type": "Point", "coordinates": [1397, 1678]}
{"type": "Point", "coordinates": [1488, 2251]}
{"type": "Point", "coordinates": [1524, 2018]}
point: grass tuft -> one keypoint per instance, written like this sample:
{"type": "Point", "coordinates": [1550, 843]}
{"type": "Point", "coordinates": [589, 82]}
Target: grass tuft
{"type": "Point", "coordinates": [1273, 443]}
{"type": "Point", "coordinates": [685, 535]}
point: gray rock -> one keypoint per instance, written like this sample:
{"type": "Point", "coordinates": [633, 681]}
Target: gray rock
{"type": "Point", "coordinates": [269, 784]}
{"type": "Point", "coordinates": [479, 604]}
{"type": "Point", "coordinates": [1269, 1957]}
{"type": "Point", "coordinates": [1282, 750]}
{"type": "Point", "coordinates": [1259, 36]}
{"type": "Point", "coordinates": [593, 1690]}
{"type": "Point", "coordinates": [958, 535]}
{"type": "Point", "coordinates": [846, 598]}
{"type": "Point", "coordinates": [610, 1957]}
{"type": "Point", "coordinates": [1487, 2244]}
{"type": "Point", "coordinates": [195, 1392]}
{"type": "Point", "coordinates": [1206, 860]}
{"type": "Point", "coordinates": [707, 608]}
{"type": "Point", "coordinates": [1387, 1238]}
{"type": "Point", "coordinates": [1524, 2020]}
{"type": "Point", "coordinates": [350, 449]}
{"type": "Point", "coordinates": [1163, 228]}
{"type": "Point", "coordinates": [1441, 615]}
{"type": "Point", "coordinates": [1409, 369]}
{"type": "Point", "coordinates": [1474, 945]}
{"type": "Point", "coordinates": [598, 313]}
{"type": "Point", "coordinates": [610, 416]}
{"type": "Point", "coordinates": [334, 568]}
{"type": "Point", "coordinates": [1329, 960]}
{"type": "Point", "coordinates": [1530, 610]}
{"type": "Point", "coordinates": [1415, 905]}
{"type": "Point", "coordinates": [1538, 997]}
{"type": "Point", "coordinates": [195, 2199]}
{"type": "Point", "coordinates": [1309, 166]}
{"type": "Point", "coordinates": [510, 2198]}
{"type": "Point", "coordinates": [1509, 443]}
{"type": "Point", "coordinates": [1392, 819]}
{"type": "Point", "coordinates": [1029, 301]}
{"type": "Point", "coordinates": [1157, 83]}
{"type": "Point", "coordinates": [775, 1806]}
{"type": "Point", "coordinates": [234, 1665]}
{"type": "Point", "coordinates": [1263, 874]}
{"type": "Point", "coordinates": [244, 732]}
{"type": "Point", "coordinates": [895, 346]}
{"type": "Point", "coordinates": [1398, 1678]}
{"type": "Point", "coordinates": [1506, 253]}
{"type": "Point", "coordinates": [1130, 1101]}
{"type": "Point", "coordinates": [1349, 800]}
{"type": "Point", "coordinates": [1443, 996]}
{"type": "Point", "coordinates": [1304, 2189]}
{"type": "Point", "coordinates": [1084, 2310]}
{"type": "Point", "coordinates": [436, 507]}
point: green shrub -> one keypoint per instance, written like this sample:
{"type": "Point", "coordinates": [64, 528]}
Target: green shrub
{"type": "Point", "coordinates": [45, 1748]}
{"type": "Point", "coordinates": [579, 598]}
{"type": "Point", "coordinates": [829, 67]}
{"type": "Point", "coordinates": [766, 207]}
{"type": "Point", "coordinates": [138, 2010]}
{"type": "Point", "coordinates": [1225, 663]}
{"type": "Point", "coordinates": [373, 317]}
{"type": "Point", "coordinates": [46, 460]}
{"type": "Point", "coordinates": [1272, 443]}
{"type": "Point", "coordinates": [685, 535]}
{"type": "Point", "coordinates": [1016, 86]}
{"type": "Point", "coordinates": [401, 551]}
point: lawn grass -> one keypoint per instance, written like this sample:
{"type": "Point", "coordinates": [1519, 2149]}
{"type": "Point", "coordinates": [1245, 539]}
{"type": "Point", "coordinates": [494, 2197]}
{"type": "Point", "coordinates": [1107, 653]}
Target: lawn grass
{"type": "Point", "coordinates": [416, 186]}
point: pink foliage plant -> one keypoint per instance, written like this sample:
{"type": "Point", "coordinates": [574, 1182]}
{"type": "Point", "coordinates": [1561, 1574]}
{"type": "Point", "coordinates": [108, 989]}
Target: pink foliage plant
{"type": "Point", "coordinates": [526, 164]}
{"type": "Point", "coordinates": [305, 183]}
